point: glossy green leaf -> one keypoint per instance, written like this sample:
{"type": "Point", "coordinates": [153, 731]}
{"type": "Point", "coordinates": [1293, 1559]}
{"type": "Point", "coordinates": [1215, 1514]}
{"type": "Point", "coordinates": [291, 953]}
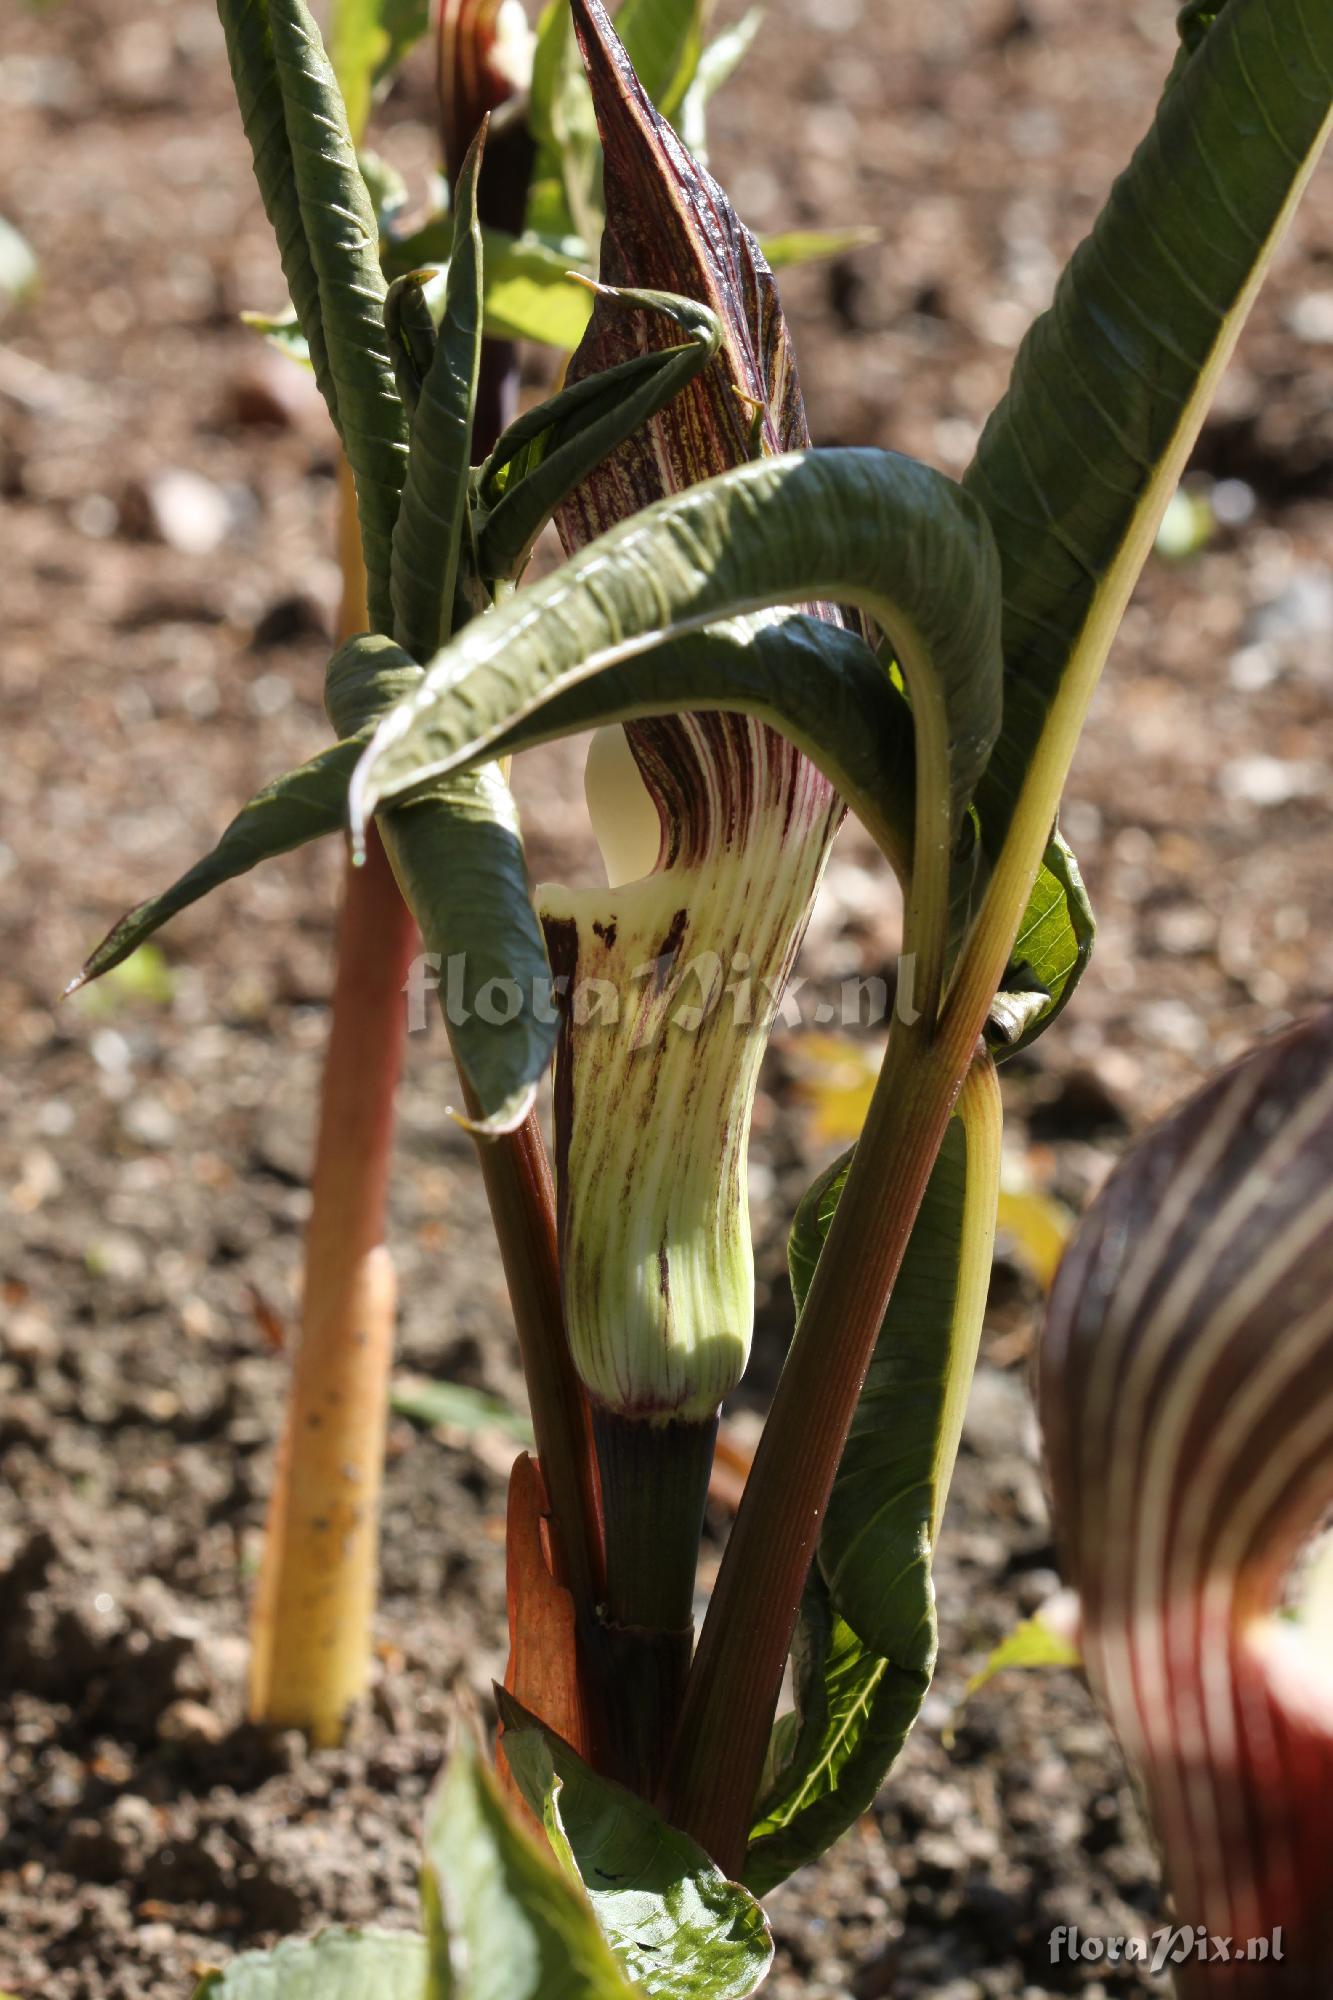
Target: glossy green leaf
{"type": "Point", "coordinates": [1077, 465]}
{"type": "Point", "coordinates": [302, 805]}
{"type": "Point", "coordinates": [864, 527]}
{"type": "Point", "coordinates": [1053, 946]}
{"type": "Point", "coordinates": [433, 514]}
{"type": "Point", "coordinates": [678, 1927]}
{"type": "Point", "coordinates": [569, 161]}
{"type": "Point", "coordinates": [865, 1648]}
{"type": "Point", "coordinates": [367, 41]}
{"type": "Point", "coordinates": [504, 1921]}
{"type": "Point", "coordinates": [829, 1755]}
{"type": "Point", "coordinates": [550, 449]}
{"type": "Point", "coordinates": [336, 1965]}
{"type": "Point", "coordinates": [342, 240]}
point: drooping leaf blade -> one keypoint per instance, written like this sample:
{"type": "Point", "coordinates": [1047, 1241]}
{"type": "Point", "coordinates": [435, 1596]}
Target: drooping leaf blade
{"type": "Point", "coordinates": [432, 514]}
{"type": "Point", "coordinates": [1110, 387]}
{"type": "Point", "coordinates": [338, 1964]}
{"type": "Point", "coordinates": [500, 1912]}
{"type": "Point", "coordinates": [678, 1927]}
{"type": "Point", "coordinates": [865, 1648]}
{"type": "Point", "coordinates": [342, 239]}
{"type": "Point", "coordinates": [862, 527]}
{"type": "Point", "coordinates": [457, 852]}
{"type": "Point", "coordinates": [302, 805]}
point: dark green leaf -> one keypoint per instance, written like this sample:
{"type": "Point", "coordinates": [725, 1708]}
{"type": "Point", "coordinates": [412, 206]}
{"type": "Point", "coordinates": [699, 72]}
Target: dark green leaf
{"type": "Point", "coordinates": [1078, 463]}
{"type": "Point", "coordinates": [456, 850]}
{"type": "Point", "coordinates": [335, 1965]}
{"type": "Point", "coordinates": [678, 1927]}
{"type": "Point", "coordinates": [342, 239]}
{"type": "Point", "coordinates": [254, 71]}
{"type": "Point", "coordinates": [433, 513]}
{"type": "Point", "coordinates": [550, 449]}
{"type": "Point", "coordinates": [862, 527]}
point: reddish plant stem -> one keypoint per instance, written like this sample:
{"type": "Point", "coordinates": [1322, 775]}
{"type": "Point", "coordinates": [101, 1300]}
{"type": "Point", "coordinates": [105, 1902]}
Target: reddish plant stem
{"type": "Point", "coordinates": [723, 1733]}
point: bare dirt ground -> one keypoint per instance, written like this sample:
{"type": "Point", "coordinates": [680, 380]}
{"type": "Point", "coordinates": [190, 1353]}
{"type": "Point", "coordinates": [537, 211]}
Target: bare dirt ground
{"type": "Point", "coordinates": [154, 1144]}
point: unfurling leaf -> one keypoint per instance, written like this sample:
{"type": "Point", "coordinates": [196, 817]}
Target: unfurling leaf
{"type": "Point", "coordinates": [1186, 1403]}
{"type": "Point", "coordinates": [433, 514]}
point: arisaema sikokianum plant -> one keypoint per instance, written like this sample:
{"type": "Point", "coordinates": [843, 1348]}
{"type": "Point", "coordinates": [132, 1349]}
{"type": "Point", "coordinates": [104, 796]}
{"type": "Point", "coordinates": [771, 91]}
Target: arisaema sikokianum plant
{"type": "Point", "coordinates": [779, 632]}
{"type": "Point", "coordinates": [995, 604]}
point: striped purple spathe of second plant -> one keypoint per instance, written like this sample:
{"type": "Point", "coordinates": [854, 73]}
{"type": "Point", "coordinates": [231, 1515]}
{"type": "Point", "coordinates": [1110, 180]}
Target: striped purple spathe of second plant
{"type": "Point", "coordinates": [1186, 1394]}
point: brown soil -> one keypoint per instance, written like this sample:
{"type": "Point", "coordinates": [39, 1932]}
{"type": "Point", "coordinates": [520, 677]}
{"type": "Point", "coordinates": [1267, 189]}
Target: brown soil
{"type": "Point", "coordinates": [154, 1148]}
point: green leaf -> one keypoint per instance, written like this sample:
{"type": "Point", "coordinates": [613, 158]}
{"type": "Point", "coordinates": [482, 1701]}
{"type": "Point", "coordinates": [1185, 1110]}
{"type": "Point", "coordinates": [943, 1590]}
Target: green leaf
{"type": "Point", "coordinates": [283, 331]}
{"type": "Point", "coordinates": [527, 287]}
{"type": "Point", "coordinates": [456, 850]}
{"type": "Point", "coordinates": [1032, 1643]}
{"type": "Point", "coordinates": [336, 1965]}
{"type": "Point", "coordinates": [342, 237]}
{"type": "Point", "coordinates": [1050, 954]}
{"type": "Point", "coordinates": [717, 61]}
{"type": "Point", "coordinates": [828, 1757]}
{"type": "Point", "coordinates": [810, 246]}
{"type": "Point", "coordinates": [433, 513]}
{"type": "Point", "coordinates": [367, 41]}
{"type": "Point", "coordinates": [664, 41]}
{"type": "Point", "coordinates": [259, 95]}
{"type": "Point", "coordinates": [819, 683]}
{"type": "Point", "coordinates": [560, 116]}
{"type": "Point", "coordinates": [530, 294]}
{"type": "Point", "coordinates": [303, 805]}
{"type": "Point", "coordinates": [504, 1921]}
{"type": "Point", "coordinates": [678, 1927]}
{"type": "Point", "coordinates": [550, 449]}
{"type": "Point", "coordinates": [454, 1406]}
{"type": "Point", "coordinates": [865, 1647]}
{"type": "Point", "coordinates": [1077, 465]}
{"type": "Point", "coordinates": [864, 527]}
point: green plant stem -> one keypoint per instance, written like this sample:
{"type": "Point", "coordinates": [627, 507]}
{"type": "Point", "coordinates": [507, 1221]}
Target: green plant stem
{"type": "Point", "coordinates": [654, 1480]}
